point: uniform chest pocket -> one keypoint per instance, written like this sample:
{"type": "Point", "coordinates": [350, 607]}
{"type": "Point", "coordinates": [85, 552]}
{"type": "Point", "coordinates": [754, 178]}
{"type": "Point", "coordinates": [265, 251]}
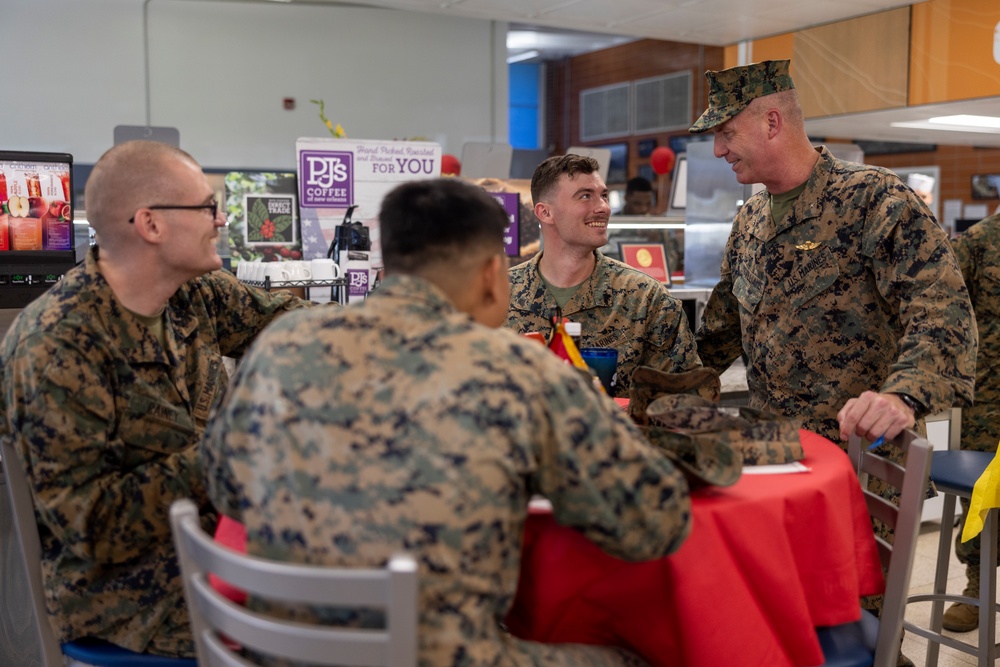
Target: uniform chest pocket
{"type": "Point", "coordinates": [747, 293]}
{"type": "Point", "coordinates": [810, 278]}
{"type": "Point", "coordinates": [149, 423]}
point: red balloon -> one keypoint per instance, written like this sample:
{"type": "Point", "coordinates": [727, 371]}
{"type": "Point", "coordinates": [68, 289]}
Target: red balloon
{"type": "Point", "coordinates": [450, 166]}
{"type": "Point", "coordinates": [662, 159]}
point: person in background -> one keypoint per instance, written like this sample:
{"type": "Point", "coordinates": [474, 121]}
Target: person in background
{"type": "Point", "coordinates": [638, 197]}
{"type": "Point", "coordinates": [836, 281]}
{"type": "Point", "coordinates": [617, 306]}
{"type": "Point", "coordinates": [923, 185]}
{"type": "Point", "coordinates": [422, 427]}
{"type": "Point", "coordinates": [108, 379]}
{"type": "Point", "coordinates": [976, 249]}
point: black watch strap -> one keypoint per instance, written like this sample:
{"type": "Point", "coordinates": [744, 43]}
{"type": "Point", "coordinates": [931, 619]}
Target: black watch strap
{"type": "Point", "coordinates": [918, 408]}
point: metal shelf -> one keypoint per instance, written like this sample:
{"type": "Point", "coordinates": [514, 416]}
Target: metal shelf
{"type": "Point", "coordinates": [340, 284]}
{"type": "Point", "coordinates": [269, 284]}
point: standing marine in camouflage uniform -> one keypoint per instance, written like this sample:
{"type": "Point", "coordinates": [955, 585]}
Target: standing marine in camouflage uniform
{"type": "Point", "coordinates": [978, 252]}
{"type": "Point", "coordinates": [616, 305]}
{"type": "Point", "coordinates": [108, 379]}
{"type": "Point", "coordinates": [404, 423]}
{"type": "Point", "coordinates": [836, 282]}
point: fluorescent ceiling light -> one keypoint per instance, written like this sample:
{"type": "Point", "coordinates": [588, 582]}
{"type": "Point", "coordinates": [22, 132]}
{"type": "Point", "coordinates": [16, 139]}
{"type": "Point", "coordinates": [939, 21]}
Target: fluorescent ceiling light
{"type": "Point", "coordinates": [958, 123]}
{"type": "Point", "coordinates": [968, 120]}
{"type": "Point", "coordinates": [527, 55]}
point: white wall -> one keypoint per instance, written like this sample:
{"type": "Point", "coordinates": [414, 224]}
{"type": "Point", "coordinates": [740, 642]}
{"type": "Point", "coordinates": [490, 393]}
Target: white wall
{"type": "Point", "coordinates": [219, 70]}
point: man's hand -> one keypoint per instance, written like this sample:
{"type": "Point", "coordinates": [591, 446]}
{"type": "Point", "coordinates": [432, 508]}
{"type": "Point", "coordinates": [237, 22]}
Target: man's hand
{"type": "Point", "coordinates": [872, 415]}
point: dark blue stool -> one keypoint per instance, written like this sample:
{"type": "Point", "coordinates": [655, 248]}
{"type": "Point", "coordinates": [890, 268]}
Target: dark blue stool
{"type": "Point", "coordinates": [100, 653]}
{"type": "Point", "coordinates": [954, 473]}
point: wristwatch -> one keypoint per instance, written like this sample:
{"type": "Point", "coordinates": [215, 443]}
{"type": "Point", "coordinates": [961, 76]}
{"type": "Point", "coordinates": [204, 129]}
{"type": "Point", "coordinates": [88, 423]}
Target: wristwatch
{"type": "Point", "coordinates": [918, 408]}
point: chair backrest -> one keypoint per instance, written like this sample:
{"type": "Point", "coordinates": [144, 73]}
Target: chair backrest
{"type": "Point", "coordinates": [23, 511]}
{"type": "Point", "coordinates": [911, 480]}
{"type": "Point", "coordinates": [213, 616]}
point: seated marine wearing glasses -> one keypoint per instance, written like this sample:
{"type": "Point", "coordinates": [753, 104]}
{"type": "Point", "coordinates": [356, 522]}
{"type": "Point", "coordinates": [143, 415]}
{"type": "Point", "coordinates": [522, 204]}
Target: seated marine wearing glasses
{"type": "Point", "coordinates": [108, 379]}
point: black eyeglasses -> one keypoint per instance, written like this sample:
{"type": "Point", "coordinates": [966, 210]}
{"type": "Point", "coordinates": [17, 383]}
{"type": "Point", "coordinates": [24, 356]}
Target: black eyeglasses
{"type": "Point", "coordinates": [212, 207]}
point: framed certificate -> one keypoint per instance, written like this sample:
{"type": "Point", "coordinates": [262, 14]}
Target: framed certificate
{"type": "Point", "coordinates": [649, 258]}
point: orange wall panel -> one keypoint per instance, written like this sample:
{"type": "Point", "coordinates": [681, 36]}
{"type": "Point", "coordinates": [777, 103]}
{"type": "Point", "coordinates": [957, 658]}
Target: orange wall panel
{"type": "Point", "coordinates": [951, 51]}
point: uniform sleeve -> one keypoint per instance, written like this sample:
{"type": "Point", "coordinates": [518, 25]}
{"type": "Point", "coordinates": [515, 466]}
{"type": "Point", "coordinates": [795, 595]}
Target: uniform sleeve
{"type": "Point", "coordinates": [601, 475]}
{"type": "Point", "coordinates": [719, 339]}
{"type": "Point", "coordinates": [105, 501]}
{"type": "Point", "coordinates": [242, 311]}
{"type": "Point", "coordinates": [671, 345]}
{"type": "Point", "coordinates": [918, 275]}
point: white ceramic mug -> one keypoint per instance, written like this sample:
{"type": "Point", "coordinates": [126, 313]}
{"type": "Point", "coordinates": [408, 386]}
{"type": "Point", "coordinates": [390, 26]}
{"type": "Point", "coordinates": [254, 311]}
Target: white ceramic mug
{"type": "Point", "coordinates": [324, 269]}
{"type": "Point", "coordinates": [273, 270]}
{"type": "Point", "coordinates": [296, 270]}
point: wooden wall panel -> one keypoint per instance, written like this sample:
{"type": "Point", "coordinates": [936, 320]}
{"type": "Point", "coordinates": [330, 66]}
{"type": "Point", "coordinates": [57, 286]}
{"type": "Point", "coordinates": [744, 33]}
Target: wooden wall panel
{"type": "Point", "coordinates": [951, 55]}
{"type": "Point", "coordinates": [853, 66]}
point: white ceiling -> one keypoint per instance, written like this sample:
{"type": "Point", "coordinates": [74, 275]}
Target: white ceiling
{"type": "Point", "coordinates": [569, 27]}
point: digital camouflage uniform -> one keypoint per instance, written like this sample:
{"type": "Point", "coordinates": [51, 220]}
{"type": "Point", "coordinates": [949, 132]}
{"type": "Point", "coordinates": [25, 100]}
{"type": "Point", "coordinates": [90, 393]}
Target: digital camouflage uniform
{"type": "Point", "coordinates": [855, 289]}
{"type": "Point", "coordinates": [617, 307]}
{"type": "Point", "coordinates": [978, 252]}
{"type": "Point", "coordinates": [400, 424]}
{"type": "Point", "coordinates": [106, 423]}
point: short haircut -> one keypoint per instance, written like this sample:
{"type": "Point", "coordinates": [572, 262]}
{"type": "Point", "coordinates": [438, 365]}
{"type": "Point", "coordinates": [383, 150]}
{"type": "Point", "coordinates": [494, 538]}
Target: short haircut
{"type": "Point", "coordinates": [547, 174]}
{"type": "Point", "coordinates": [638, 184]}
{"type": "Point", "coordinates": [129, 176]}
{"type": "Point", "coordinates": [424, 223]}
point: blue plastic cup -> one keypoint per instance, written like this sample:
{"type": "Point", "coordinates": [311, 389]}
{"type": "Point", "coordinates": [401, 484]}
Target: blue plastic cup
{"type": "Point", "coordinates": [604, 362]}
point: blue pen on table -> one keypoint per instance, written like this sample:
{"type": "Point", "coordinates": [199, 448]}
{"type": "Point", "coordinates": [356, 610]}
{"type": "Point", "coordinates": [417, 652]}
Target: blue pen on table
{"type": "Point", "coordinates": [879, 441]}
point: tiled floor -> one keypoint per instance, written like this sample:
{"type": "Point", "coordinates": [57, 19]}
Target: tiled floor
{"type": "Point", "coordinates": [922, 581]}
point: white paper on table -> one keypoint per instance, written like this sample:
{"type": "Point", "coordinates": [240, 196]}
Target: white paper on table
{"type": "Point", "coordinates": [776, 469]}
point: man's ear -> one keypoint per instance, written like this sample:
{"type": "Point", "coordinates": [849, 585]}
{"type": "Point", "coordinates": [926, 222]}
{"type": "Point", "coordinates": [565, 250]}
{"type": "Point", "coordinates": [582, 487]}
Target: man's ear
{"type": "Point", "coordinates": [489, 299]}
{"type": "Point", "coordinates": [774, 120]}
{"type": "Point", "coordinates": [148, 226]}
{"type": "Point", "coordinates": [543, 212]}
{"type": "Point", "coordinates": [492, 285]}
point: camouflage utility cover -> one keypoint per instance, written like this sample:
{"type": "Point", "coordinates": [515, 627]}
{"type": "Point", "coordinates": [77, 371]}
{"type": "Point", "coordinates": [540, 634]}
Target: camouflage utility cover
{"type": "Point", "coordinates": [106, 423]}
{"type": "Point", "coordinates": [855, 289]}
{"type": "Point", "coordinates": [978, 252]}
{"type": "Point", "coordinates": [731, 90]}
{"type": "Point", "coordinates": [617, 307]}
{"type": "Point", "coordinates": [400, 424]}
{"type": "Point", "coordinates": [757, 437]}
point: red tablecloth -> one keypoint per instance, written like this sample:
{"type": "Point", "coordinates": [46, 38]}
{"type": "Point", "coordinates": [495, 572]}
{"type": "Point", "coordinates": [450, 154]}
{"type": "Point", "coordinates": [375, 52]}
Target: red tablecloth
{"type": "Point", "coordinates": [768, 559]}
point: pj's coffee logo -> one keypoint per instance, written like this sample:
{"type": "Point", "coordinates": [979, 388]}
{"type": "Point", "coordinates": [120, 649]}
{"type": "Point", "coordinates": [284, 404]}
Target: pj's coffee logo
{"type": "Point", "coordinates": [326, 178]}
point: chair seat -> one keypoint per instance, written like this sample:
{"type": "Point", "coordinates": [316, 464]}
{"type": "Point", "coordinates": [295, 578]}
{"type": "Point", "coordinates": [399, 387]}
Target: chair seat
{"type": "Point", "coordinates": [956, 472]}
{"type": "Point", "coordinates": [102, 654]}
{"type": "Point", "coordinates": [850, 644]}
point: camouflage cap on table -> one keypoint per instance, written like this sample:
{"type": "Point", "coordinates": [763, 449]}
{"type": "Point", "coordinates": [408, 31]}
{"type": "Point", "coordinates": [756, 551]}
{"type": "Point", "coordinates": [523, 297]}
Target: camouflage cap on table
{"type": "Point", "coordinates": [731, 90]}
{"type": "Point", "coordinates": [648, 384]}
{"type": "Point", "coordinates": [757, 437]}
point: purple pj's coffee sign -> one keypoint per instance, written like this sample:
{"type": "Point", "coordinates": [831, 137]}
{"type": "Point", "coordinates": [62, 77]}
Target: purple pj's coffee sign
{"type": "Point", "coordinates": [327, 179]}
{"type": "Point", "coordinates": [511, 202]}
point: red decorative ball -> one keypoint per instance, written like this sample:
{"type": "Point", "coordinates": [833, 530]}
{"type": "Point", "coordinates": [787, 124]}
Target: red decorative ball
{"type": "Point", "coordinates": [450, 166]}
{"type": "Point", "coordinates": [662, 159]}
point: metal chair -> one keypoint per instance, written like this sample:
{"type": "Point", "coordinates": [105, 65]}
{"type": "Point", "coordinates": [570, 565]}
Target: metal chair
{"type": "Point", "coordinates": [876, 641]}
{"type": "Point", "coordinates": [81, 652]}
{"type": "Point", "coordinates": [954, 474]}
{"type": "Point", "coordinates": [217, 621]}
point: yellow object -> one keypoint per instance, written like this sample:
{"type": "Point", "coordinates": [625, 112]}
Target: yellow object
{"type": "Point", "coordinates": [338, 130]}
{"type": "Point", "coordinates": [985, 496]}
